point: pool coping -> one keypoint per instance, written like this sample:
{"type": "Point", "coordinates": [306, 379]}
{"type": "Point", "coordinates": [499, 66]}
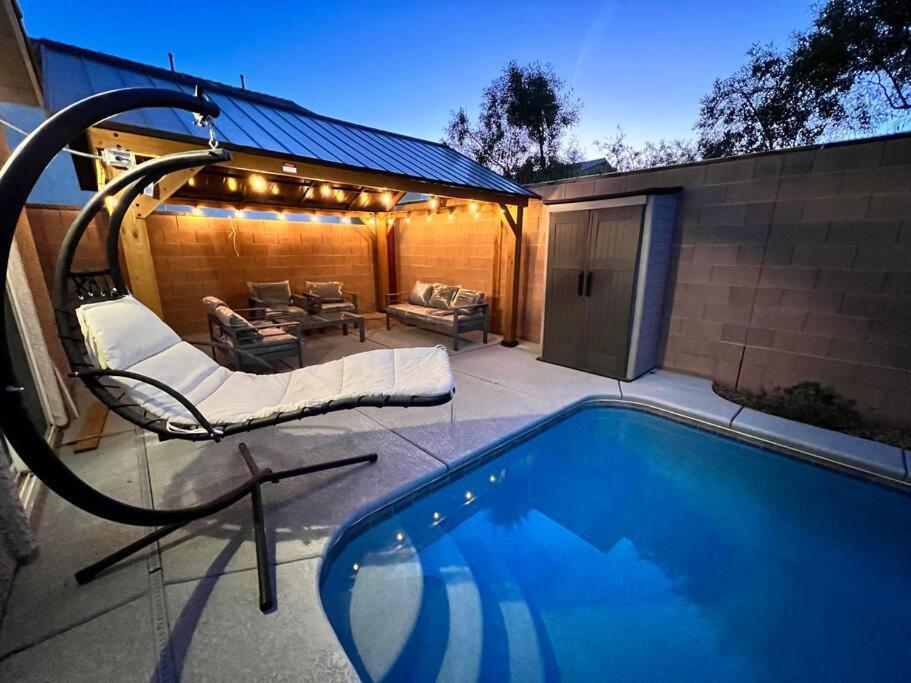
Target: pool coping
{"type": "Point", "coordinates": [800, 447]}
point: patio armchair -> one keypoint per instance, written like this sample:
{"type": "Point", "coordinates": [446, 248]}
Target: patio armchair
{"type": "Point", "coordinates": [328, 297]}
{"type": "Point", "coordinates": [275, 298]}
{"type": "Point", "coordinates": [243, 338]}
{"type": "Point", "coordinates": [447, 309]}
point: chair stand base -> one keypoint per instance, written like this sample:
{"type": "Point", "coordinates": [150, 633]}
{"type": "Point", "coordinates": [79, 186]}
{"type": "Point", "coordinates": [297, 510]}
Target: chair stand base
{"type": "Point", "coordinates": [258, 476]}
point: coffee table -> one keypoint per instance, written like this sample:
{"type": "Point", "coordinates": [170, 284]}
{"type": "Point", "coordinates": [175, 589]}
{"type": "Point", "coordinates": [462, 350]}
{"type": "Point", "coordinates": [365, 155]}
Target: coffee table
{"type": "Point", "coordinates": [323, 321]}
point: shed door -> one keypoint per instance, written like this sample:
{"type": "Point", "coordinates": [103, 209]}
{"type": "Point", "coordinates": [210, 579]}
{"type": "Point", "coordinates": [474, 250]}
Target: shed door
{"type": "Point", "coordinates": [613, 251]}
{"type": "Point", "coordinates": [564, 307]}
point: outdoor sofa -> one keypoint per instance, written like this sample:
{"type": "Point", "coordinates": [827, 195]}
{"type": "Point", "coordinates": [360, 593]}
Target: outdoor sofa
{"type": "Point", "coordinates": [448, 309]}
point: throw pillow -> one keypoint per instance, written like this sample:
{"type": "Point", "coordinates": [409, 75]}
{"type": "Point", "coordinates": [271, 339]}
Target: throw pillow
{"type": "Point", "coordinates": [467, 297]}
{"type": "Point", "coordinates": [442, 296]}
{"type": "Point", "coordinates": [421, 293]}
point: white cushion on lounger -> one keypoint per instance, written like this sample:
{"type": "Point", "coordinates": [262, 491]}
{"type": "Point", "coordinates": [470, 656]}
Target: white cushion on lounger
{"type": "Point", "coordinates": [244, 396]}
{"type": "Point", "coordinates": [150, 348]}
{"type": "Point", "coordinates": [122, 333]}
{"type": "Point", "coordinates": [182, 367]}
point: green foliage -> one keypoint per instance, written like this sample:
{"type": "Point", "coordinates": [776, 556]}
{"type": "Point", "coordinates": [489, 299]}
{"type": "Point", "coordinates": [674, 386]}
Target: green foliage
{"type": "Point", "coordinates": [812, 403]}
{"type": "Point", "coordinates": [524, 115]}
{"type": "Point", "coordinates": [818, 405]}
{"type": "Point", "coordinates": [859, 51]}
{"type": "Point", "coordinates": [762, 107]}
{"type": "Point", "coordinates": [625, 157]}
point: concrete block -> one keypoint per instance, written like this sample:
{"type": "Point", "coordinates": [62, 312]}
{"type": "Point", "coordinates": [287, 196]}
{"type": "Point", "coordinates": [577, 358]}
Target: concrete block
{"type": "Point", "coordinates": [848, 157]}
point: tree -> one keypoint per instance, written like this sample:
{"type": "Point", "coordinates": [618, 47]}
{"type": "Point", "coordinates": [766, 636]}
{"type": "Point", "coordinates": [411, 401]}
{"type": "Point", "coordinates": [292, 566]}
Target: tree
{"type": "Point", "coordinates": [763, 107]}
{"type": "Point", "coordinates": [860, 52]}
{"type": "Point", "coordinates": [624, 157]}
{"type": "Point", "coordinates": [524, 115]}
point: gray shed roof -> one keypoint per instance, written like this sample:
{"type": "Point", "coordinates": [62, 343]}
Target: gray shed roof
{"type": "Point", "coordinates": [257, 122]}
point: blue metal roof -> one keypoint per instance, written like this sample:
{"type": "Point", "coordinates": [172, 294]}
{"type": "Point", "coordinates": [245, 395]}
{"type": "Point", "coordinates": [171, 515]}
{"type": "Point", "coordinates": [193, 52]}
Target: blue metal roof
{"type": "Point", "coordinates": [258, 122]}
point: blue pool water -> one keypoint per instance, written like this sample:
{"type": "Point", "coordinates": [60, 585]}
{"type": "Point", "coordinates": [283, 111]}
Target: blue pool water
{"type": "Point", "coordinates": [621, 545]}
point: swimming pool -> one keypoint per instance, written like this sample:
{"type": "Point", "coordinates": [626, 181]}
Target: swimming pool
{"type": "Point", "coordinates": [620, 544]}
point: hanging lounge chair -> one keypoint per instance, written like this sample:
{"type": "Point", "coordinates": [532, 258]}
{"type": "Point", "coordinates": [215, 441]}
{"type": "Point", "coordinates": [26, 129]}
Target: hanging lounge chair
{"type": "Point", "coordinates": [139, 368]}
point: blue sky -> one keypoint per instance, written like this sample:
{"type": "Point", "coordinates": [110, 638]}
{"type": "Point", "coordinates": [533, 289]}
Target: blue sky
{"type": "Point", "coordinates": [404, 66]}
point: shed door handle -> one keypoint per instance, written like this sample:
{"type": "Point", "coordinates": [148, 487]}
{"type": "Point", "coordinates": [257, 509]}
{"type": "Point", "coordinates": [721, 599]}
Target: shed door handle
{"type": "Point", "coordinates": [579, 285]}
{"type": "Point", "coordinates": [588, 284]}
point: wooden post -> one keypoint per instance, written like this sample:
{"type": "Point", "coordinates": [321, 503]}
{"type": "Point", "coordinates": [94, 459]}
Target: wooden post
{"type": "Point", "coordinates": [137, 253]}
{"type": "Point", "coordinates": [381, 261]}
{"type": "Point", "coordinates": [512, 250]}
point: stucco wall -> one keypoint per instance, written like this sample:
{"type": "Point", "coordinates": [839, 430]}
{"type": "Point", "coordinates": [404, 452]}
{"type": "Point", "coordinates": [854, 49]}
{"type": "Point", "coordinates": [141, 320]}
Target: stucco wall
{"type": "Point", "coordinates": [788, 266]}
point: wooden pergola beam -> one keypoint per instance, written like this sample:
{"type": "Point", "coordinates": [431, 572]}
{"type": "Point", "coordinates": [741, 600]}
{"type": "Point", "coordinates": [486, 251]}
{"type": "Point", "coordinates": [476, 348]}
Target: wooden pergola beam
{"type": "Point", "coordinates": [167, 186]}
{"type": "Point", "coordinates": [101, 138]}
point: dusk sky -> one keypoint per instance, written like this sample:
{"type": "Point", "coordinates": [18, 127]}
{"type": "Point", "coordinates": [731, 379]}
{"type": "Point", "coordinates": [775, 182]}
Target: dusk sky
{"type": "Point", "coordinates": [404, 66]}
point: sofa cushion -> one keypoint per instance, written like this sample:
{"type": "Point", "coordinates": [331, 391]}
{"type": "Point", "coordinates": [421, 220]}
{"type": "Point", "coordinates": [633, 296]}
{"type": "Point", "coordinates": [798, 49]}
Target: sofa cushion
{"type": "Point", "coordinates": [442, 295]}
{"type": "Point", "coordinates": [337, 306]}
{"type": "Point", "coordinates": [327, 291]}
{"type": "Point", "coordinates": [271, 293]}
{"type": "Point", "coordinates": [421, 293]}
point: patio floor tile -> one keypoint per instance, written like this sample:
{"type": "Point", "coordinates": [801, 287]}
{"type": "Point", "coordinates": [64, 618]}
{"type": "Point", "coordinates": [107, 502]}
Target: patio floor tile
{"type": "Point", "coordinates": [520, 370]}
{"type": "Point", "coordinates": [687, 395]}
{"type": "Point", "coordinates": [481, 414]}
{"type": "Point", "coordinates": [118, 645]}
{"type": "Point", "coordinates": [219, 634]}
{"type": "Point", "coordinates": [301, 514]}
{"type": "Point", "coordinates": [45, 597]}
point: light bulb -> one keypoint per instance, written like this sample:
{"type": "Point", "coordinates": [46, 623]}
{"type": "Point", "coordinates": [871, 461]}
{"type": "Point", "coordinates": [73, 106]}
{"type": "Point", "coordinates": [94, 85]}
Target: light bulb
{"type": "Point", "coordinates": [258, 183]}
{"type": "Point", "coordinates": [326, 189]}
{"type": "Point", "coordinates": [232, 184]}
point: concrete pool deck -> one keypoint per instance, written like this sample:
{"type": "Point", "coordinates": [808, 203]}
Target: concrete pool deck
{"type": "Point", "coordinates": [188, 608]}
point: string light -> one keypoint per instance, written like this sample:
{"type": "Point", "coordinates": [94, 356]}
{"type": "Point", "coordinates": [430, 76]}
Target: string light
{"type": "Point", "coordinates": [326, 189]}
{"type": "Point", "coordinates": [473, 207]}
{"type": "Point", "coordinates": [355, 567]}
{"type": "Point", "coordinates": [196, 211]}
{"type": "Point", "coordinates": [275, 189]}
{"type": "Point", "coordinates": [436, 516]}
{"type": "Point", "coordinates": [451, 214]}
{"type": "Point", "coordinates": [192, 182]}
{"type": "Point", "coordinates": [429, 217]}
{"type": "Point", "coordinates": [469, 496]}
{"type": "Point", "coordinates": [280, 215]}
{"type": "Point", "coordinates": [492, 479]}
{"type": "Point", "coordinates": [258, 183]}
{"type": "Point", "coordinates": [238, 213]}
{"type": "Point", "coordinates": [387, 199]}
{"type": "Point", "coordinates": [400, 537]}
{"type": "Point", "coordinates": [433, 202]}
{"type": "Point", "coordinates": [408, 218]}
{"type": "Point", "coordinates": [232, 184]}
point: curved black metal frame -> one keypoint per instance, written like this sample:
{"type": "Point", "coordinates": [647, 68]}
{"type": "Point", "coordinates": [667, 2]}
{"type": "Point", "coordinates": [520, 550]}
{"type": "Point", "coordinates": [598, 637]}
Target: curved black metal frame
{"type": "Point", "coordinates": [72, 288]}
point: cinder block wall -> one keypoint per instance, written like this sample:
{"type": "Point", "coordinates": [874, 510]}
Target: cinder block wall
{"type": "Point", "coordinates": [195, 257]}
{"type": "Point", "coordinates": [788, 266]}
{"type": "Point", "coordinates": [459, 251]}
